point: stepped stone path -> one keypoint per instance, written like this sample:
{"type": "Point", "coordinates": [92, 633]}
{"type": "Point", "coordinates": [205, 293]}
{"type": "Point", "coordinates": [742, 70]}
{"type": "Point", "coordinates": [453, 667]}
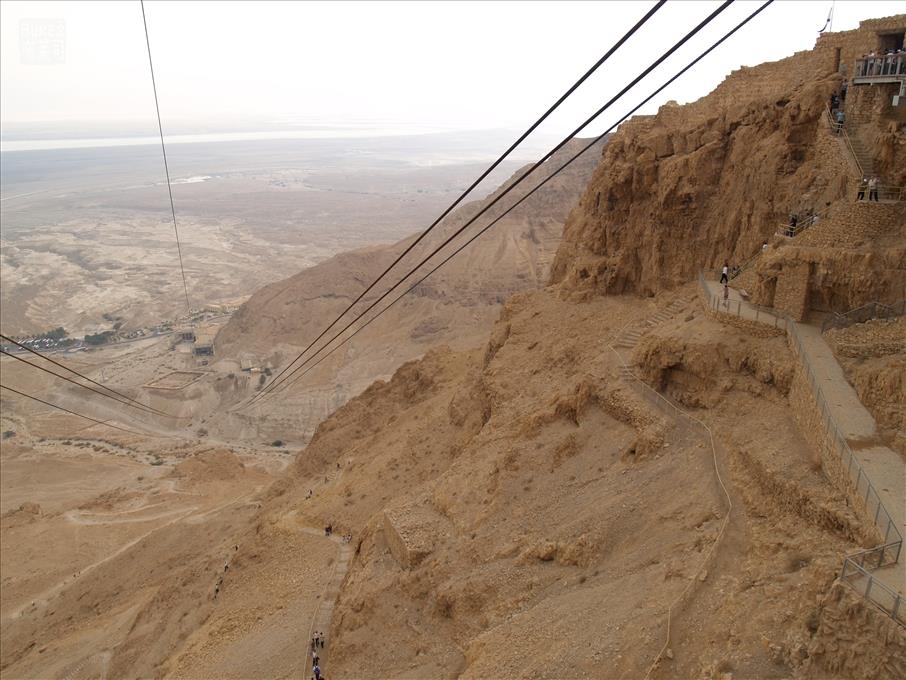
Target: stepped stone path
{"type": "Point", "coordinates": [883, 466]}
{"type": "Point", "coordinates": [628, 338]}
{"type": "Point", "coordinates": [324, 613]}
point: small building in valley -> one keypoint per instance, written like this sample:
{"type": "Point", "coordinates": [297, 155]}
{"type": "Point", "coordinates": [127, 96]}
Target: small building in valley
{"type": "Point", "coordinates": [204, 341]}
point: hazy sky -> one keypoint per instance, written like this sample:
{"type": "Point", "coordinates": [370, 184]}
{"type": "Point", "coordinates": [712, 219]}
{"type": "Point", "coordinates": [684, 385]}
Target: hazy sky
{"type": "Point", "coordinates": [432, 64]}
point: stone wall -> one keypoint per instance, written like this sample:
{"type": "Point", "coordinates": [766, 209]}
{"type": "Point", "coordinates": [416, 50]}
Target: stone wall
{"type": "Point", "coordinates": [410, 533]}
{"type": "Point", "coordinates": [857, 42]}
{"type": "Point", "coordinates": [809, 418]}
{"type": "Point", "coordinates": [855, 224]}
{"type": "Point", "coordinates": [791, 294]}
{"type": "Point", "coordinates": [856, 256]}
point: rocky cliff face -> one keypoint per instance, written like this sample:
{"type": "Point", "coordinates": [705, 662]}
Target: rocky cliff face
{"type": "Point", "coordinates": [696, 185]}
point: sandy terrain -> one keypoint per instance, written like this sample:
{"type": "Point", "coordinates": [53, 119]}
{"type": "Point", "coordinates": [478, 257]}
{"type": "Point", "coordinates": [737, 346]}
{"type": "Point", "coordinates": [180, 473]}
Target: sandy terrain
{"type": "Point", "coordinates": [104, 503]}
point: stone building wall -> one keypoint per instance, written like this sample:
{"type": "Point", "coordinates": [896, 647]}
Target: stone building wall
{"type": "Point", "coordinates": [410, 532]}
{"type": "Point", "coordinates": [850, 263]}
{"type": "Point", "coordinates": [857, 42]}
{"type": "Point", "coordinates": [791, 294]}
{"type": "Point", "coordinates": [854, 224]}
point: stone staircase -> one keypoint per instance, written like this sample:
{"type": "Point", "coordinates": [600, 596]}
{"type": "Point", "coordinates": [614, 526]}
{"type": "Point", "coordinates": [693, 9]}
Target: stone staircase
{"type": "Point", "coordinates": [864, 157]}
{"type": "Point", "coordinates": [862, 154]}
{"type": "Point", "coordinates": [628, 338]}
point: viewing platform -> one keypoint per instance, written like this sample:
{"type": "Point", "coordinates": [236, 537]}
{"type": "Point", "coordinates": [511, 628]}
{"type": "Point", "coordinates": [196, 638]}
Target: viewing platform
{"type": "Point", "coordinates": [888, 68]}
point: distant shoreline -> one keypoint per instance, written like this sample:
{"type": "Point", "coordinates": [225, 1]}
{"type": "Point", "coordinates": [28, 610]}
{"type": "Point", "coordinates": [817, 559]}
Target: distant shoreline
{"type": "Point", "coordinates": [107, 142]}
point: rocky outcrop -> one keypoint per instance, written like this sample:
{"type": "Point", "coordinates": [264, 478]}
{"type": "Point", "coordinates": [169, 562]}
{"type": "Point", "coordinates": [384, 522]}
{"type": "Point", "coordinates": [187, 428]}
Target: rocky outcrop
{"type": "Point", "coordinates": [697, 184]}
{"type": "Point", "coordinates": [411, 532]}
{"type": "Point", "coordinates": [854, 640]}
{"type": "Point", "coordinates": [837, 279]}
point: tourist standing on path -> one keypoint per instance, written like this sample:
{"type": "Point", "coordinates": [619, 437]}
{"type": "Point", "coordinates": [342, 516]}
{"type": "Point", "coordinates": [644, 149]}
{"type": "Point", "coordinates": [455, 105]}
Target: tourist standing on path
{"type": "Point", "coordinates": [863, 185]}
{"type": "Point", "coordinates": [841, 118]}
{"type": "Point", "coordinates": [873, 189]}
{"type": "Point", "coordinates": [725, 273]}
{"type": "Point", "coordinates": [317, 671]}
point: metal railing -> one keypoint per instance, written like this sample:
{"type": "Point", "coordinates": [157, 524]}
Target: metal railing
{"type": "Point", "coordinates": [736, 271]}
{"type": "Point", "coordinates": [892, 539]}
{"type": "Point", "coordinates": [883, 66]}
{"type": "Point", "coordinates": [889, 192]}
{"type": "Point", "coordinates": [840, 130]}
{"type": "Point", "coordinates": [793, 230]}
{"type": "Point", "coordinates": [872, 310]}
{"type": "Point", "coordinates": [884, 192]}
{"type": "Point", "coordinates": [764, 315]}
{"type": "Point", "coordinates": [873, 590]}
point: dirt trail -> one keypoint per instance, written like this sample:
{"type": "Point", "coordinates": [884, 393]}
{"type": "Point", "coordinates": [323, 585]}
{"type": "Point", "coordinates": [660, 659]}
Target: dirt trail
{"type": "Point", "coordinates": [92, 519]}
{"type": "Point", "coordinates": [731, 541]}
{"type": "Point", "coordinates": [321, 619]}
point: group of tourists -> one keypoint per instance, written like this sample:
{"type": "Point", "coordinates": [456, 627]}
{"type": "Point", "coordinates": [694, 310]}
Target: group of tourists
{"type": "Point", "coordinates": [891, 62]}
{"type": "Point", "coordinates": [837, 100]}
{"type": "Point", "coordinates": [871, 184]}
{"type": "Point", "coordinates": [317, 642]}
